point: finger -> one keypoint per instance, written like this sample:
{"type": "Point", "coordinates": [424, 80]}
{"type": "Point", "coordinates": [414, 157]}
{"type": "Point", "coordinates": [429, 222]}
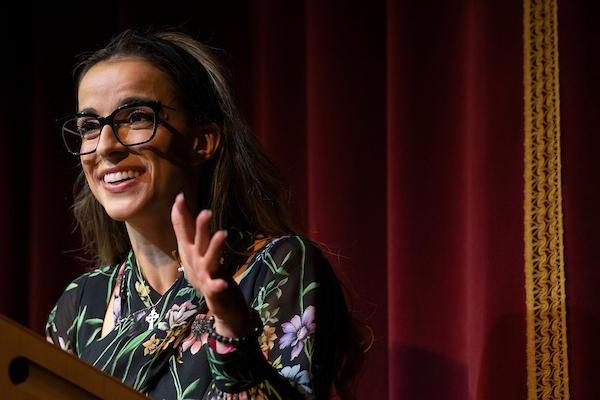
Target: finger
{"type": "Point", "coordinates": [214, 251]}
{"type": "Point", "coordinates": [212, 287]}
{"type": "Point", "coordinates": [182, 221]}
{"type": "Point", "coordinates": [218, 285]}
{"type": "Point", "coordinates": [202, 238]}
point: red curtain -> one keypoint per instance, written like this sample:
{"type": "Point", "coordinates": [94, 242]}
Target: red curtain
{"type": "Point", "coordinates": [455, 252]}
{"type": "Point", "coordinates": [398, 126]}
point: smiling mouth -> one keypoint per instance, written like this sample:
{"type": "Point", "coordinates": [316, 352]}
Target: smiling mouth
{"type": "Point", "coordinates": [121, 176]}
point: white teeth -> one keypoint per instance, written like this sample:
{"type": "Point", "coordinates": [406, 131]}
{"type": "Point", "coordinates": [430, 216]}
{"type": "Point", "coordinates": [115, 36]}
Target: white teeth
{"type": "Point", "coordinates": [121, 175]}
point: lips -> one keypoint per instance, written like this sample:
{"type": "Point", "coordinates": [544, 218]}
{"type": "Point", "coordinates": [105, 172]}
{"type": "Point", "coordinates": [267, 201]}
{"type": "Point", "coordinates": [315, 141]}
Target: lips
{"type": "Point", "coordinates": [115, 177]}
{"type": "Point", "coordinates": [117, 180]}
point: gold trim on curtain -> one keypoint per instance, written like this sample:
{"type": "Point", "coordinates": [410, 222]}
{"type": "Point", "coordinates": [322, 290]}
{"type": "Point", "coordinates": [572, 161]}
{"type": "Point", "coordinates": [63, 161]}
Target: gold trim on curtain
{"type": "Point", "coordinates": [547, 361]}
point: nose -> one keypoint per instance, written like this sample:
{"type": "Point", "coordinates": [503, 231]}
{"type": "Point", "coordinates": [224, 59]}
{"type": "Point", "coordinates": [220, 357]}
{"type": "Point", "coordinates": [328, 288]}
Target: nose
{"type": "Point", "coordinates": [108, 145]}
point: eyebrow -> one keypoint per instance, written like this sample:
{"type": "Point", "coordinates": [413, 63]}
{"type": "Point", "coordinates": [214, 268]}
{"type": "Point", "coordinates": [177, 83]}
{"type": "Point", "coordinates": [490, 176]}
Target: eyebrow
{"type": "Point", "coordinates": [130, 100]}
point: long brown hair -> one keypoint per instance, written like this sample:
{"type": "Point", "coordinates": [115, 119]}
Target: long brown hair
{"type": "Point", "coordinates": [239, 183]}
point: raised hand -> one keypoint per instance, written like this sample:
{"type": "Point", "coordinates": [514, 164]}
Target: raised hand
{"type": "Point", "coordinates": [200, 256]}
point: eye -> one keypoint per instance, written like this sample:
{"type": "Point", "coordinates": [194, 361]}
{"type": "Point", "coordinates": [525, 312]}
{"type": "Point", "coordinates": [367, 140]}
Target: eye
{"type": "Point", "coordinates": [140, 118]}
{"type": "Point", "coordinates": [88, 128]}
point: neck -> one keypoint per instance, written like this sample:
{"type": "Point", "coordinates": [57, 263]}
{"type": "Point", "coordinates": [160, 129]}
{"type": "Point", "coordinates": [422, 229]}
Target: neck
{"type": "Point", "coordinates": [153, 245]}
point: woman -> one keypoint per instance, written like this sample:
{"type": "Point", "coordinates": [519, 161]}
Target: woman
{"type": "Point", "coordinates": [182, 307]}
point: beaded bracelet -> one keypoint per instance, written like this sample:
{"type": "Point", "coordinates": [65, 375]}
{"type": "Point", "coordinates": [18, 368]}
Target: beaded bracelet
{"type": "Point", "coordinates": [237, 341]}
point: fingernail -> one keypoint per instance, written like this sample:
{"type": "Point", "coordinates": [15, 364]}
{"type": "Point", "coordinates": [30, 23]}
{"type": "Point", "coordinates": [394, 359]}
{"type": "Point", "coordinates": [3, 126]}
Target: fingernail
{"type": "Point", "coordinates": [225, 232]}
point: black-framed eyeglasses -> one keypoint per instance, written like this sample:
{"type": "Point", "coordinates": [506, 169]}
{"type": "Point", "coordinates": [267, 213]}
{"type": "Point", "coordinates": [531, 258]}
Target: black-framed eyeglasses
{"type": "Point", "coordinates": [132, 124]}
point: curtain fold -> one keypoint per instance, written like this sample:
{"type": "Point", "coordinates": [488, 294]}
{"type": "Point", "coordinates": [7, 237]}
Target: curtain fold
{"type": "Point", "coordinates": [278, 95]}
{"type": "Point", "coordinates": [454, 196]}
{"type": "Point", "coordinates": [346, 171]}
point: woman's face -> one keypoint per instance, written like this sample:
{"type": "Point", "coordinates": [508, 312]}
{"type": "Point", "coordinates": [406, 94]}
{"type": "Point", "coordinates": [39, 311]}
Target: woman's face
{"type": "Point", "coordinates": [149, 179]}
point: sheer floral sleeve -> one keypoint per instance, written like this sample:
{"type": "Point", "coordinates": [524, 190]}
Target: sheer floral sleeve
{"type": "Point", "coordinates": [68, 314]}
{"type": "Point", "coordinates": [60, 328]}
{"type": "Point", "coordinates": [298, 299]}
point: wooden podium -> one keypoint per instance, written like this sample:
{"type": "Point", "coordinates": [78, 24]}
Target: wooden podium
{"type": "Point", "coordinates": [33, 369]}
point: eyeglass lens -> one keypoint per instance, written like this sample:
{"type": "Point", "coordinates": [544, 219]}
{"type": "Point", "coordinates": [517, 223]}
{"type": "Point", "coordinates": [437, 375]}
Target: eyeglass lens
{"type": "Point", "coordinates": [131, 125]}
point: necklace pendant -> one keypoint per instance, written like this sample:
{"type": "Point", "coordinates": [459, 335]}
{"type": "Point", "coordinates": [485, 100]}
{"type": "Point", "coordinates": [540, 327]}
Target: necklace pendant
{"type": "Point", "coordinates": [151, 318]}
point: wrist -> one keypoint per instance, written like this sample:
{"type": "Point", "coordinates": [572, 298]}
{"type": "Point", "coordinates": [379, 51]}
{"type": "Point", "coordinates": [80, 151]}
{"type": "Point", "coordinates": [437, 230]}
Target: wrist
{"type": "Point", "coordinates": [223, 339]}
{"type": "Point", "coordinates": [240, 325]}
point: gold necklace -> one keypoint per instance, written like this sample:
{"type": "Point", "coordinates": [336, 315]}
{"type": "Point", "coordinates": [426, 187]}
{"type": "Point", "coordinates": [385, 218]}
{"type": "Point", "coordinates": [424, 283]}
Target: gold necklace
{"type": "Point", "coordinates": [143, 289]}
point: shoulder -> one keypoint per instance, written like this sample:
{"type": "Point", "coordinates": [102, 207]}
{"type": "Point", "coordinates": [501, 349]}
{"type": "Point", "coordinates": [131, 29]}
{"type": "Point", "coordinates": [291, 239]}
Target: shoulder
{"type": "Point", "coordinates": [290, 260]}
{"type": "Point", "coordinates": [94, 279]}
{"type": "Point", "coordinates": [98, 275]}
{"type": "Point", "coordinates": [90, 284]}
{"type": "Point", "coordinates": [286, 253]}
{"type": "Point", "coordinates": [87, 288]}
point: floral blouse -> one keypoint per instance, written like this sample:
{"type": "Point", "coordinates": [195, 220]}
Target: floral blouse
{"type": "Point", "coordinates": [288, 282]}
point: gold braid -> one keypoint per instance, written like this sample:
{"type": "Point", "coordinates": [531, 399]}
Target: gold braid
{"type": "Point", "coordinates": [547, 360]}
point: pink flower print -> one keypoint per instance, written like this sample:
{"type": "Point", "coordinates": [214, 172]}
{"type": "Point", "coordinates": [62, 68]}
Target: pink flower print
{"type": "Point", "coordinates": [64, 345]}
{"type": "Point", "coordinates": [177, 315]}
{"type": "Point", "coordinates": [196, 339]}
{"type": "Point", "coordinates": [117, 295]}
{"type": "Point", "coordinates": [297, 330]}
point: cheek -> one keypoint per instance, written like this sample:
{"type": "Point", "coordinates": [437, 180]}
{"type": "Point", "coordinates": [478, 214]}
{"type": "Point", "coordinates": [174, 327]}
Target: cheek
{"type": "Point", "coordinates": [165, 164]}
{"type": "Point", "coordinates": [167, 175]}
{"type": "Point", "coordinates": [88, 171]}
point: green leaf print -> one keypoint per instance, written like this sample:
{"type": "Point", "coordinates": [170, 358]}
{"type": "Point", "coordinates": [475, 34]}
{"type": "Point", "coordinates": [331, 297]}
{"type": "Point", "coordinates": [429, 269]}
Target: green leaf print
{"type": "Point", "coordinates": [190, 389]}
{"type": "Point", "coordinates": [310, 287]}
{"type": "Point", "coordinates": [287, 256]}
{"type": "Point", "coordinates": [94, 321]}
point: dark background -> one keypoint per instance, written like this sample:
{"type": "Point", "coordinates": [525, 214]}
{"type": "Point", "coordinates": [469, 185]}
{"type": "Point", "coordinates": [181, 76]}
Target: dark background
{"type": "Point", "coordinates": [398, 126]}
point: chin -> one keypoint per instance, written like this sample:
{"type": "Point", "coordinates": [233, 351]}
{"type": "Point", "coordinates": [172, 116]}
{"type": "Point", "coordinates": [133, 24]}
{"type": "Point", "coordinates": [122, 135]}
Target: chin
{"type": "Point", "coordinates": [119, 215]}
{"type": "Point", "coordinates": [123, 210]}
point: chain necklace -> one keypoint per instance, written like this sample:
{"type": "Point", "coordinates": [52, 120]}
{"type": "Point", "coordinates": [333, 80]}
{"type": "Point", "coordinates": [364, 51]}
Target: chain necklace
{"type": "Point", "coordinates": [143, 290]}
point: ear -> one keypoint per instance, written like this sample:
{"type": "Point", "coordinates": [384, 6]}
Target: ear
{"type": "Point", "coordinates": [207, 138]}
